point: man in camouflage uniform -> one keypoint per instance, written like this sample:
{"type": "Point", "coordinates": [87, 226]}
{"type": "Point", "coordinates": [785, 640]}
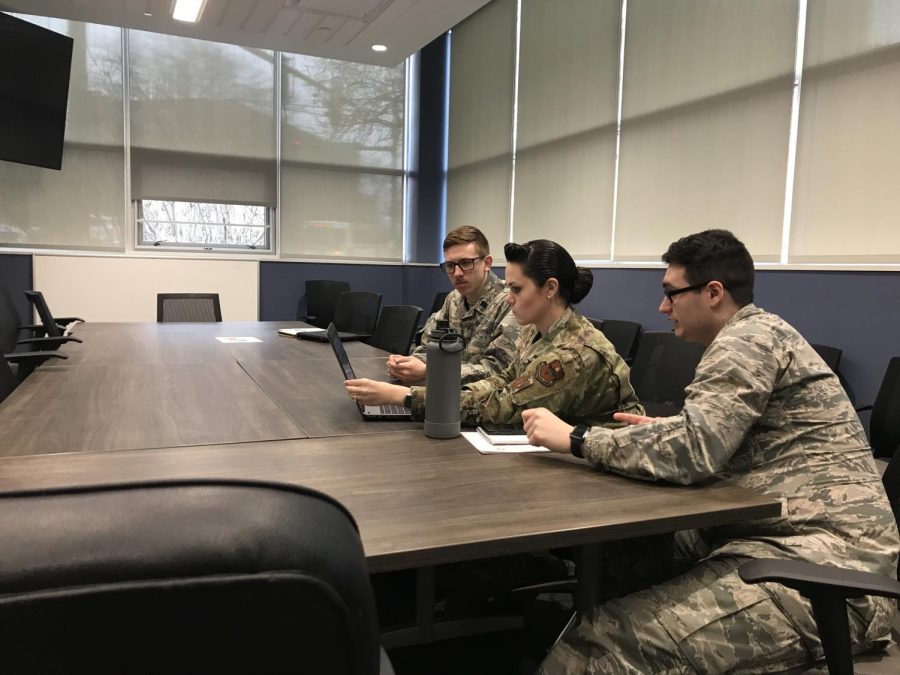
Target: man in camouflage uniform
{"type": "Point", "coordinates": [763, 412]}
{"type": "Point", "coordinates": [572, 369]}
{"type": "Point", "coordinates": [476, 309]}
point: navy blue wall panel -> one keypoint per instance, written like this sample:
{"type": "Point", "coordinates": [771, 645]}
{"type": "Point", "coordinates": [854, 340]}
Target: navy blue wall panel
{"type": "Point", "coordinates": [282, 284]}
{"type": "Point", "coordinates": [16, 272]}
{"type": "Point", "coordinates": [422, 284]}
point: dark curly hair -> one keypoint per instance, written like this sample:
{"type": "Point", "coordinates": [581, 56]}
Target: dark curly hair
{"type": "Point", "coordinates": [541, 259]}
{"type": "Point", "coordinates": [715, 255]}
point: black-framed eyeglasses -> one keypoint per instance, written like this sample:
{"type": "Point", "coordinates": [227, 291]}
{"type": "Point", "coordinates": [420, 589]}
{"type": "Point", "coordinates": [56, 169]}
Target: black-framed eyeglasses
{"type": "Point", "coordinates": [465, 264]}
{"type": "Point", "coordinates": [672, 292]}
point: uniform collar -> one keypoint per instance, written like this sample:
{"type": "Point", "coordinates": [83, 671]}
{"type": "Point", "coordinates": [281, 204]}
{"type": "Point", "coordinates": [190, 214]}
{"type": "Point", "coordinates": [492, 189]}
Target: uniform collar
{"type": "Point", "coordinates": [558, 324]}
{"type": "Point", "coordinates": [745, 311]}
{"type": "Point", "coordinates": [492, 286]}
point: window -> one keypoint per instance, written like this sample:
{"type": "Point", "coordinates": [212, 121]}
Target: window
{"type": "Point", "coordinates": [174, 223]}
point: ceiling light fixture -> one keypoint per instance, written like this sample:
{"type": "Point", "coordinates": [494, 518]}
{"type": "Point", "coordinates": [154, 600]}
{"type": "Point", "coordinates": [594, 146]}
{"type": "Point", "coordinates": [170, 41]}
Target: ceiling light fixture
{"type": "Point", "coordinates": [379, 48]}
{"type": "Point", "coordinates": [188, 10]}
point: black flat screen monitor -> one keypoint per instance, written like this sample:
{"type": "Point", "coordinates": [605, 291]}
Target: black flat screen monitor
{"type": "Point", "coordinates": [34, 90]}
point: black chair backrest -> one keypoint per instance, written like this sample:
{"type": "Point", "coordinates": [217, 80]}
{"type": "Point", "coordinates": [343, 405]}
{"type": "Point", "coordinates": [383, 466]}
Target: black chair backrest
{"type": "Point", "coordinates": [884, 424]}
{"type": "Point", "coordinates": [357, 312]}
{"type": "Point", "coordinates": [188, 308]}
{"type": "Point", "coordinates": [623, 335]}
{"type": "Point", "coordinates": [439, 299]}
{"type": "Point", "coordinates": [830, 355]}
{"type": "Point", "coordinates": [51, 328]}
{"type": "Point", "coordinates": [236, 576]}
{"type": "Point", "coordinates": [663, 366]}
{"type": "Point", "coordinates": [321, 301]}
{"type": "Point", "coordinates": [598, 324]}
{"type": "Point", "coordinates": [396, 328]}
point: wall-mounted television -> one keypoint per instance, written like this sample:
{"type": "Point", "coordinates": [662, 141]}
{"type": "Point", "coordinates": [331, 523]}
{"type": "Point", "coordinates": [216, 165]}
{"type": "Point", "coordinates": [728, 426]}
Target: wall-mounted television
{"type": "Point", "coordinates": [34, 91]}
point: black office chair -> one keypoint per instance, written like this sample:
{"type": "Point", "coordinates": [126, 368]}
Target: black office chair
{"type": "Point", "coordinates": [396, 328]}
{"type": "Point", "coordinates": [53, 326]}
{"type": "Point", "coordinates": [828, 588]}
{"type": "Point", "coordinates": [24, 354]}
{"type": "Point", "coordinates": [830, 355]}
{"type": "Point", "coordinates": [188, 308]}
{"type": "Point", "coordinates": [663, 366]}
{"type": "Point", "coordinates": [224, 576]}
{"type": "Point", "coordinates": [439, 298]}
{"type": "Point", "coordinates": [8, 381]}
{"type": "Point", "coordinates": [357, 312]}
{"type": "Point", "coordinates": [623, 335]}
{"type": "Point", "coordinates": [884, 422]}
{"type": "Point", "coordinates": [320, 301]}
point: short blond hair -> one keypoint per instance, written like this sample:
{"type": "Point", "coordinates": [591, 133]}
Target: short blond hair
{"type": "Point", "coordinates": [466, 234]}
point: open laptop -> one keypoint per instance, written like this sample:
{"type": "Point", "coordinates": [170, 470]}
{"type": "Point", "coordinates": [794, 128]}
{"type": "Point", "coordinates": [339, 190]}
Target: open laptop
{"type": "Point", "coordinates": [369, 412]}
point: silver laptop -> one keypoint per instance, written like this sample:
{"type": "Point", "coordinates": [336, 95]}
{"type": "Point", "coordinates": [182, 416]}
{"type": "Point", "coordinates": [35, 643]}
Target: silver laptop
{"type": "Point", "coordinates": [369, 412]}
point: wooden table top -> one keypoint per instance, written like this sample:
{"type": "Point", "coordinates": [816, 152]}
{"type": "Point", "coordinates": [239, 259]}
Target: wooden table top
{"type": "Point", "coordinates": [151, 385]}
{"type": "Point", "coordinates": [420, 501]}
{"type": "Point", "coordinates": [170, 401]}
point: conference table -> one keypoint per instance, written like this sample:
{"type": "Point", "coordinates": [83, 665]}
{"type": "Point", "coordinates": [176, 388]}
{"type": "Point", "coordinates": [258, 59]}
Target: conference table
{"type": "Point", "coordinates": [140, 402]}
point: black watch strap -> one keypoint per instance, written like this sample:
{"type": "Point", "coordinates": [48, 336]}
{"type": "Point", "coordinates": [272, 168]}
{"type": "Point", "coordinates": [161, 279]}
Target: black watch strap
{"type": "Point", "coordinates": [576, 440]}
{"type": "Point", "coordinates": [407, 401]}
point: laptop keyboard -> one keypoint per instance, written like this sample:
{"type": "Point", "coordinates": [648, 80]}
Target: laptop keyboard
{"type": "Point", "coordinates": [393, 410]}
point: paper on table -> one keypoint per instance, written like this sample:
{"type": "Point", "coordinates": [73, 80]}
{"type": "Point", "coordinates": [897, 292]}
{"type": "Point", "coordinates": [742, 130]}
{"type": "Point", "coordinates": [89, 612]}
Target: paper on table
{"type": "Point", "coordinates": [238, 339]}
{"type": "Point", "coordinates": [294, 331]}
{"type": "Point", "coordinates": [484, 446]}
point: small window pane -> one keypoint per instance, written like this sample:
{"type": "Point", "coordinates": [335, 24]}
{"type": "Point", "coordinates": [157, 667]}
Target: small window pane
{"type": "Point", "coordinates": [203, 224]}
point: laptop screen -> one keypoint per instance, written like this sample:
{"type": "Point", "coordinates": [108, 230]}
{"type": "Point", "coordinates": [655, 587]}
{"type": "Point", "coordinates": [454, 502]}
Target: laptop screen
{"type": "Point", "coordinates": [340, 353]}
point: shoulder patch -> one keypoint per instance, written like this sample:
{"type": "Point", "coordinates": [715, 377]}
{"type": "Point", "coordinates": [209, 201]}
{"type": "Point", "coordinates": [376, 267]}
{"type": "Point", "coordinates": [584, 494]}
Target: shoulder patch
{"type": "Point", "coordinates": [548, 373]}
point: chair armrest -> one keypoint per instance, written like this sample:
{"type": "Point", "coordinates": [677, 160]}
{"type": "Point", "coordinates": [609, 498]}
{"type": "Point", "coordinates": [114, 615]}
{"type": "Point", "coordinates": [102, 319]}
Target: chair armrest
{"type": "Point", "coordinates": [812, 579]}
{"type": "Point", "coordinates": [862, 408]}
{"type": "Point", "coordinates": [29, 357]}
{"type": "Point", "coordinates": [49, 341]}
{"type": "Point", "coordinates": [65, 320]}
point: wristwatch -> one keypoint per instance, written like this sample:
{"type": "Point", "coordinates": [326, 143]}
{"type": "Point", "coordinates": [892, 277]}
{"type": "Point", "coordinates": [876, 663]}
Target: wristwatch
{"type": "Point", "coordinates": [407, 401]}
{"type": "Point", "coordinates": [576, 440]}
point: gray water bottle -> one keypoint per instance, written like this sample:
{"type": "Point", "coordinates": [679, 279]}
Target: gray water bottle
{"type": "Point", "coordinates": [443, 381]}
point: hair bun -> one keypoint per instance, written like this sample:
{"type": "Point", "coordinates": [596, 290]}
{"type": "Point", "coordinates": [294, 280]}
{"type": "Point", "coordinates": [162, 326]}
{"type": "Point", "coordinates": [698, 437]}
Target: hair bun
{"type": "Point", "coordinates": [584, 281]}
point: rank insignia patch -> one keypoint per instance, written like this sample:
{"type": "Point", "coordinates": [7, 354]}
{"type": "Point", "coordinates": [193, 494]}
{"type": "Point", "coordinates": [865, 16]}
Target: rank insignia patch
{"type": "Point", "coordinates": [548, 373]}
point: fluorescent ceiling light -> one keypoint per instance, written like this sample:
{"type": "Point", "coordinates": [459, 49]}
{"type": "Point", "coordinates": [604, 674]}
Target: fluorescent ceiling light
{"type": "Point", "coordinates": [188, 10]}
{"type": "Point", "coordinates": [379, 48]}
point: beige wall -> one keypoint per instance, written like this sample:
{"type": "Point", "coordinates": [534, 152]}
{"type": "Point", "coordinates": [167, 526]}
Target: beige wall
{"type": "Point", "coordinates": [124, 289]}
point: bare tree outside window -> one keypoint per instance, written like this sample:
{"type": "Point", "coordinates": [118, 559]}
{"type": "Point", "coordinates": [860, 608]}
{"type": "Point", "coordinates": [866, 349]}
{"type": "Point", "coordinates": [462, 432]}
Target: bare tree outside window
{"type": "Point", "coordinates": [203, 224]}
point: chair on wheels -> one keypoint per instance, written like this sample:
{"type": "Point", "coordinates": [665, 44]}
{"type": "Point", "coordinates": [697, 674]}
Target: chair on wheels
{"type": "Point", "coordinates": [356, 313]}
{"type": "Point", "coordinates": [884, 422]}
{"type": "Point", "coordinates": [663, 366]}
{"type": "Point", "coordinates": [623, 335]}
{"type": "Point", "coordinates": [321, 301]}
{"type": "Point", "coordinates": [238, 576]}
{"type": "Point", "coordinates": [396, 328]}
{"type": "Point", "coordinates": [828, 588]}
{"type": "Point", "coordinates": [188, 308]}
{"type": "Point", "coordinates": [24, 354]}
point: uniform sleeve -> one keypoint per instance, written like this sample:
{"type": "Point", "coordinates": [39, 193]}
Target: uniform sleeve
{"type": "Point", "coordinates": [500, 353]}
{"type": "Point", "coordinates": [729, 393]}
{"type": "Point", "coordinates": [555, 380]}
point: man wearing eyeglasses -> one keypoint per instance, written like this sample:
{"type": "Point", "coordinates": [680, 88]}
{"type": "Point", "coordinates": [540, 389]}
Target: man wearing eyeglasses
{"type": "Point", "coordinates": [476, 308]}
{"type": "Point", "coordinates": [763, 412]}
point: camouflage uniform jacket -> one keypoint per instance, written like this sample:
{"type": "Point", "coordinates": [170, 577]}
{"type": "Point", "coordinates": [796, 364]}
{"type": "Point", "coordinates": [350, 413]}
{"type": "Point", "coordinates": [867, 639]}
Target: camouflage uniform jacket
{"type": "Point", "coordinates": [573, 370]}
{"type": "Point", "coordinates": [488, 326]}
{"type": "Point", "coordinates": [766, 413]}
